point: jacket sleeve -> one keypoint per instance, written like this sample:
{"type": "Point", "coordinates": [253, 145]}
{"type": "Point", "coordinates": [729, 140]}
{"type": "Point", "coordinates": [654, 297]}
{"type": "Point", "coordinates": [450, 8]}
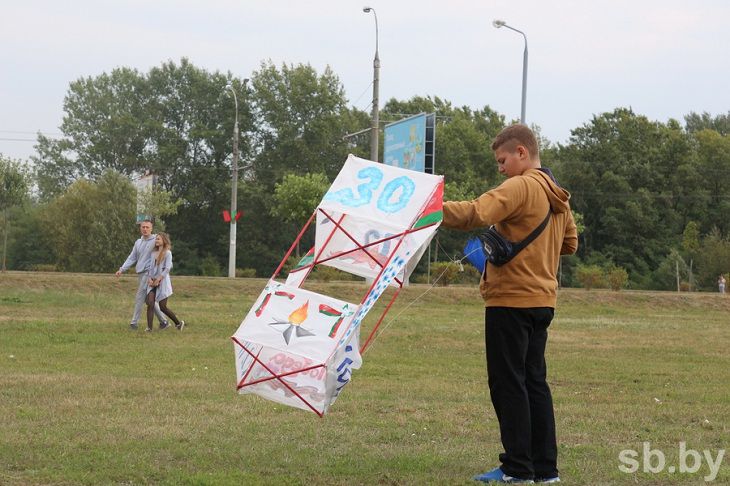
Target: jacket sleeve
{"type": "Point", "coordinates": [570, 239]}
{"type": "Point", "coordinates": [150, 266]}
{"type": "Point", "coordinates": [490, 208]}
{"type": "Point", "coordinates": [131, 259]}
{"type": "Point", "coordinates": [166, 265]}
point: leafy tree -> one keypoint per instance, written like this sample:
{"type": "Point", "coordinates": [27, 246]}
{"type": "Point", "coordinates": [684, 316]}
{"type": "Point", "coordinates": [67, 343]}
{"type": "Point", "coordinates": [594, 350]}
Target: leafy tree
{"type": "Point", "coordinates": [191, 130]}
{"type": "Point", "coordinates": [13, 191]}
{"type": "Point", "coordinates": [29, 248]}
{"type": "Point", "coordinates": [639, 185]}
{"type": "Point", "coordinates": [713, 259]}
{"type": "Point", "coordinates": [623, 173]}
{"type": "Point", "coordinates": [456, 191]}
{"type": "Point", "coordinates": [578, 218]}
{"type": "Point", "coordinates": [158, 203]}
{"type": "Point", "coordinates": [690, 244]}
{"type": "Point", "coordinates": [302, 119]}
{"type": "Point", "coordinates": [105, 127]}
{"type": "Point", "coordinates": [264, 239]}
{"type": "Point", "coordinates": [106, 122]}
{"type": "Point", "coordinates": [91, 226]}
{"type": "Point", "coordinates": [691, 238]}
{"type": "Point", "coordinates": [696, 122]}
{"type": "Point", "coordinates": [175, 120]}
{"type": "Point", "coordinates": [671, 272]}
{"type": "Point", "coordinates": [54, 169]}
{"type": "Point", "coordinates": [296, 197]}
{"type": "Point", "coordinates": [713, 154]}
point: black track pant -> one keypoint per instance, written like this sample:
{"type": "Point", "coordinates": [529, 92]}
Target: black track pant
{"type": "Point", "coordinates": [516, 370]}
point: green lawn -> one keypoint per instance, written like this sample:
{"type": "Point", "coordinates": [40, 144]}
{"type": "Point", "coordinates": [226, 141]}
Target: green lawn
{"type": "Point", "coordinates": [83, 400]}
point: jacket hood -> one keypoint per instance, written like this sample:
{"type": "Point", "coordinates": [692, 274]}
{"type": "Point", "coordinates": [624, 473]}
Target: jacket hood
{"type": "Point", "coordinates": [557, 196]}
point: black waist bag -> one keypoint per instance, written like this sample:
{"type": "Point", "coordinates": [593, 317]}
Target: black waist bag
{"type": "Point", "coordinates": [500, 250]}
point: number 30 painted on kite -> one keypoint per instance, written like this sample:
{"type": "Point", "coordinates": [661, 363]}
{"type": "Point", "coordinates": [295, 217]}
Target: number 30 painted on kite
{"type": "Point", "coordinates": [374, 177]}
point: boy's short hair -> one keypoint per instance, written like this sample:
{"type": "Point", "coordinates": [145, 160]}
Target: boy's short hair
{"type": "Point", "coordinates": [514, 135]}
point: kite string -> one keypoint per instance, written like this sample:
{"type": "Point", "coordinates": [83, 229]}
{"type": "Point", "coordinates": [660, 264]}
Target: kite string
{"type": "Point", "coordinates": [453, 261]}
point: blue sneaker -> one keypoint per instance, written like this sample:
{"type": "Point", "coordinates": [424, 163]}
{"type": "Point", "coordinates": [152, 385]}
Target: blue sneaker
{"type": "Point", "coordinates": [496, 475]}
{"type": "Point", "coordinates": [556, 479]}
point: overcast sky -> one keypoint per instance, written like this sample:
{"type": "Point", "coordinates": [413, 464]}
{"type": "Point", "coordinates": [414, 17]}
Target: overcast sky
{"type": "Point", "coordinates": [662, 58]}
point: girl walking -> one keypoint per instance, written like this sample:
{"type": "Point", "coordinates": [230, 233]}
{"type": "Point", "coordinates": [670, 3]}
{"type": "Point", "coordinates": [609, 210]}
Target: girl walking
{"type": "Point", "coordinates": [159, 285]}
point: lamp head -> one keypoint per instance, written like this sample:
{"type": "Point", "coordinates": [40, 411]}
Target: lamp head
{"type": "Point", "coordinates": [499, 23]}
{"type": "Point", "coordinates": [366, 9]}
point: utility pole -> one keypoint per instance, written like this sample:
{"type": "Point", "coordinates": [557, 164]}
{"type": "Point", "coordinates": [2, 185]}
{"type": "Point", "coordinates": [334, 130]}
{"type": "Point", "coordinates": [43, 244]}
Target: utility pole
{"type": "Point", "coordinates": [374, 128]}
{"type": "Point", "coordinates": [234, 193]}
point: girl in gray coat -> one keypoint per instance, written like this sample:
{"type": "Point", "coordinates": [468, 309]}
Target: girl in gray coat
{"type": "Point", "coordinates": [159, 286]}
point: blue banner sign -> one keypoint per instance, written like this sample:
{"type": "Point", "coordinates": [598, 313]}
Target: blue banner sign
{"type": "Point", "coordinates": [405, 143]}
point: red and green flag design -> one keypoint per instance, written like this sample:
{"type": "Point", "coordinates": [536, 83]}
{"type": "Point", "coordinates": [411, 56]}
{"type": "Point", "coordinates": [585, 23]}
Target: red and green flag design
{"type": "Point", "coordinates": [306, 259]}
{"type": "Point", "coordinates": [332, 312]}
{"type": "Point", "coordinates": [265, 302]}
{"type": "Point", "coordinates": [433, 212]}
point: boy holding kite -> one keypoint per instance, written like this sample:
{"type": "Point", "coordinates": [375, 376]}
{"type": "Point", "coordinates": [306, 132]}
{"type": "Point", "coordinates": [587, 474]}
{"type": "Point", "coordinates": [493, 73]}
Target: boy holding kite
{"type": "Point", "coordinates": [519, 287]}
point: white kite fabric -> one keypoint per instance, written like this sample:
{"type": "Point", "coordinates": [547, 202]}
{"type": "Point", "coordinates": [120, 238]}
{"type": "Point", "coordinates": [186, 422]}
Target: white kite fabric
{"type": "Point", "coordinates": [298, 347]}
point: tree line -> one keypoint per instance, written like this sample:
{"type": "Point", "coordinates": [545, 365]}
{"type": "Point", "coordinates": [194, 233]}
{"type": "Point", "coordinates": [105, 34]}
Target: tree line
{"type": "Point", "coordinates": [653, 196]}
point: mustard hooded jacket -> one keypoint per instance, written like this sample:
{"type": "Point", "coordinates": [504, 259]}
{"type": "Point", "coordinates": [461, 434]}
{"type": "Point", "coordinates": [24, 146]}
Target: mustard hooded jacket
{"type": "Point", "coordinates": [516, 208]}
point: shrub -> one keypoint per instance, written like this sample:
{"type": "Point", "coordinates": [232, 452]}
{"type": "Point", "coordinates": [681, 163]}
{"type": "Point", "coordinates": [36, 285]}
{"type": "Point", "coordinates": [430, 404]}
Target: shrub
{"type": "Point", "coordinates": [44, 267]}
{"type": "Point", "coordinates": [324, 273]}
{"type": "Point", "coordinates": [470, 275]}
{"type": "Point", "coordinates": [444, 273]}
{"type": "Point", "coordinates": [290, 264]}
{"type": "Point", "coordinates": [617, 278]}
{"type": "Point", "coordinates": [245, 273]}
{"type": "Point", "coordinates": [589, 276]}
{"type": "Point", "coordinates": [209, 267]}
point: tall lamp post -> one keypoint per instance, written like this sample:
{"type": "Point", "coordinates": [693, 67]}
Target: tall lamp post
{"type": "Point", "coordinates": [376, 81]}
{"type": "Point", "coordinates": [499, 24]}
{"type": "Point", "coordinates": [234, 192]}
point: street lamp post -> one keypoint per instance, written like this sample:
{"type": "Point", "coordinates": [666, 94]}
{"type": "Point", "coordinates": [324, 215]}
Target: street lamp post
{"type": "Point", "coordinates": [374, 130]}
{"type": "Point", "coordinates": [234, 193]}
{"type": "Point", "coordinates": [501, 23]}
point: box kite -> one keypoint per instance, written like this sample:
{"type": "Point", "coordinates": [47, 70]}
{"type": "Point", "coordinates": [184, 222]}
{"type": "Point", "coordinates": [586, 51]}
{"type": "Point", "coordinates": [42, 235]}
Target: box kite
{"type": "Point", "coordinates": [298, 347]}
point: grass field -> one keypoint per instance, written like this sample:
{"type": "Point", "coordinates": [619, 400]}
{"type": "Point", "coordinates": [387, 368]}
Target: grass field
{"type": "Point", "coordinates": [84, 400]}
